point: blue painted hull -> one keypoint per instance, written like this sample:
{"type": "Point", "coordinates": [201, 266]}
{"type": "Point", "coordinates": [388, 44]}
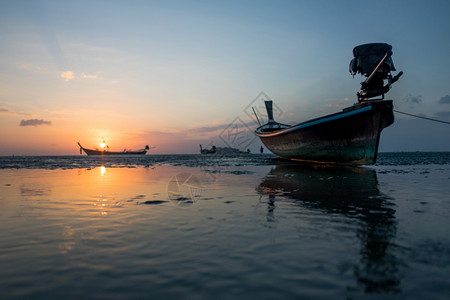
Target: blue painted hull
{"type": "Point", "coordinates": [348, 137]}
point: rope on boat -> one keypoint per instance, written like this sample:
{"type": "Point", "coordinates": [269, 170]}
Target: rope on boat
{"type": "Point", "coordinates": [430, 119]}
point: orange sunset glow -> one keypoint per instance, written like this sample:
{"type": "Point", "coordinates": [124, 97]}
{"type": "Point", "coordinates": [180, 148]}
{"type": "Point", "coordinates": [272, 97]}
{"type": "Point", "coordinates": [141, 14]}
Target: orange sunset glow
{"type": "Point", "coordinates": [192, 149]}
{"type": "Point", "coordinates": [128, 77]}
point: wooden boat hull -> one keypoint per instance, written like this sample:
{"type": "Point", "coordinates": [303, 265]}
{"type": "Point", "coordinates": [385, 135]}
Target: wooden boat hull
{"type": "Point", "coordinates": [100, 152]}
{"type": "Point", "coordinates": [106, 152]}
{"type": "Point", "coordinates": [348, 137]}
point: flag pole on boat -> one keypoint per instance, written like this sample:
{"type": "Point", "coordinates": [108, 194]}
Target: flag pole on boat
{"type": "Point", "coordinates": [256, 117]}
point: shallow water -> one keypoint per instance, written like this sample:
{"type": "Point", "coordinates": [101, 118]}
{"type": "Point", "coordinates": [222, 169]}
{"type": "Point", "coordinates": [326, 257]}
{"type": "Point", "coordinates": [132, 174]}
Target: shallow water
{"type": "Point", "coordinates": [198, 227]}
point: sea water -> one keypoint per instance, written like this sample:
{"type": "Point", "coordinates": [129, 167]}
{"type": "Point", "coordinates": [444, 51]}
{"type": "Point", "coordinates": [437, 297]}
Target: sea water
{"type": "Point", "coordinates": [207, 226]}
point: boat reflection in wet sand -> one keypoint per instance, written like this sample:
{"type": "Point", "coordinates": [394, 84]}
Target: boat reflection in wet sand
{"type": "Point", "coordinates": [351, 192]}
{"type": "Point", "coordinates": [347, 137]}
{"type": "Point", "coordinates": [107, 152]}
{"type": "Point", "coordinates": [337, 188]}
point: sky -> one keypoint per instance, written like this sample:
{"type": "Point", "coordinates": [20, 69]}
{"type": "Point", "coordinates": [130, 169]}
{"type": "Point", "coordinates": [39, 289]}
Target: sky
{"type": "Point", "coordinates": [176, 74]}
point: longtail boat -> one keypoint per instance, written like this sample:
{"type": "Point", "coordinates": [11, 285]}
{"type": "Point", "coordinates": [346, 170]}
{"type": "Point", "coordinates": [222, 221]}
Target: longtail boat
{"type": "Point", "coordinates": [348, 137]}
{"type": "Point", "coordinates": [208, 151]}
{"type": "Point", "coordinates": [107, 152]}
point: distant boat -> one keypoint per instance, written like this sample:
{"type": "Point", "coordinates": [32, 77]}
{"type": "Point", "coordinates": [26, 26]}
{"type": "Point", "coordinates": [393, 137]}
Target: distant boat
{"type": "Point", "coordinates": [223, 151]}
{"type": "Point", "coordinates": [107, 152]}
{"type": "Point", "coordinates": [348, 137]}
{"type": "Point", "coordinates": [208, 151]}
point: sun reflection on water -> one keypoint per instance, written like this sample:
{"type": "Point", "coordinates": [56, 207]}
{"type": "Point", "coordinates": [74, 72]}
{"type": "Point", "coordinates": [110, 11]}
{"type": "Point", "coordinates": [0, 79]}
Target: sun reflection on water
{"type": "Point", "coordinates": [102, 204]}
{"type": "Point", "coordinates": [90, 192]}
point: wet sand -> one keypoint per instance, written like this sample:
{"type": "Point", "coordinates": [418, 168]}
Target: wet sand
{"type": "Point", "coordinates": [240, 229]}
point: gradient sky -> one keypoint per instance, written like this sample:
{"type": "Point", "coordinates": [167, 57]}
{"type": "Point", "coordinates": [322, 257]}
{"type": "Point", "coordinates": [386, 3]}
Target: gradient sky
{"type": "Point", "coordinates": [173, 74]}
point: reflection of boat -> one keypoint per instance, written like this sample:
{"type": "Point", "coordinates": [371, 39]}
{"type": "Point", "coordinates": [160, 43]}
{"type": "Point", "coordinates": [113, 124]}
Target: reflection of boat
{"type": "Point", "coordinates": [107, 152]}
{"type": "Point", "coordinates": [350, 136]}
{"type": "Point", "coordinates": [350, 192]}
{"type": "Point", "coordinates": [334, 188]}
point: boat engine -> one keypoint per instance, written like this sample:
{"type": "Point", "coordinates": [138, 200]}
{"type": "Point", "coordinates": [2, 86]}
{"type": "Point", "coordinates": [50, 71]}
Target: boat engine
{"type": "Point", "coordinates": [375, 62]}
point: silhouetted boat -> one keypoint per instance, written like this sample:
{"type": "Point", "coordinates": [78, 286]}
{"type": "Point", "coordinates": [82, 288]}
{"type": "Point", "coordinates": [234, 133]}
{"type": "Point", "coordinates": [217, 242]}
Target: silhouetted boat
{"type": "Point", "coordinates": [347, 137]}
{"type": "Point", "coordinates": [107, 152]}
{"type": "Point", "coordinates": [223, 151]}
{"type": "Point", "coordinates": [208, 151]}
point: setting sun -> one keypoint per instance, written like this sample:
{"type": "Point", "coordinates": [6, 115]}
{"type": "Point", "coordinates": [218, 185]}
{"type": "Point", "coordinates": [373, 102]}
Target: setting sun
{"type": "Point", "coordinates": [102, 144]}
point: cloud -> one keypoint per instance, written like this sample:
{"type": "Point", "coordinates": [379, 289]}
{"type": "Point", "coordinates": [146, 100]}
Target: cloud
{"type": "Point", "coordinates": [3, 109]}
{"type": "Point", "coordinates": [24, 66]}
{"type": "Point", "coordinates": [444, 100]}
{"type": "Point", "coordinates": [237, 123]}
{"type": "Point", "coordinates": [89, 76]}
{"type": "Point", "coordinates": [412, 134]}
{"type": "Point", "coordinates": [334, 105]}
{"type": "Point", "coordinates": [211, 128]}
{"type": "Point", "coordinates": [6, 110]}
{"type": "Point", "coordinates": [443, 114]}
{"type": "Point", "coordinates": [413, 99]}
{"type": "Point", "coordinates": [67, 75]}
{"type": "Point", "coordinates": [34, 122]}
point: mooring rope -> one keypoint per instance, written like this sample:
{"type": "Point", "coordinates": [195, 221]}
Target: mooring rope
{"type": "Point", "coordinates": [430, 119]}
